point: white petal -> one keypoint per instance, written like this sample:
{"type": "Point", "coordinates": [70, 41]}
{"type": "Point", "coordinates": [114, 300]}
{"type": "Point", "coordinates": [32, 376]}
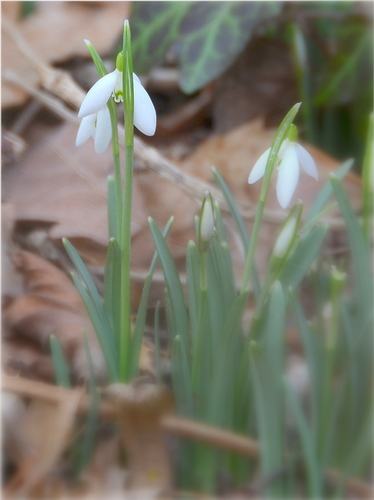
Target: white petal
{"type": "Point", "coordinates": [144, 112]}
{"type": "Point", "coordinates": [288, 176]}
{"type": "Point", "coordinates": [86, 129]}
{"type": "Point", "coordinates": [103, 130]}
{"type": "Point", "coordinates": [259, 168]}
{"type": "Point", "coordinates": [98, 95]}
{"type": "Point", "coordinates": [284, 146]}
{"type": "Point", "coordinates": [307, 162]}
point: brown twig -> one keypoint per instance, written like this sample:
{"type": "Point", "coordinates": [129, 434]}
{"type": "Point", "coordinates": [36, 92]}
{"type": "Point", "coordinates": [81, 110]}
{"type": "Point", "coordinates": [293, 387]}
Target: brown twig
{"type": "Point", "coordinates": [208, 434]}
{"type": "Point", "coordinates": [172, 424]}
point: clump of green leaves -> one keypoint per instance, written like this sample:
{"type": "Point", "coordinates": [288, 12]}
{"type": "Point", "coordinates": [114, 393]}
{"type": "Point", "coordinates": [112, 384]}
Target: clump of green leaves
{"type": "Point", "coordinates": [235, 379]}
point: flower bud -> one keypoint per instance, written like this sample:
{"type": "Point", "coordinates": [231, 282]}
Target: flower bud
{"type": "Point", "coordinates": [206, 222]}
{"type": "Point", "coordinates": [286, 236]}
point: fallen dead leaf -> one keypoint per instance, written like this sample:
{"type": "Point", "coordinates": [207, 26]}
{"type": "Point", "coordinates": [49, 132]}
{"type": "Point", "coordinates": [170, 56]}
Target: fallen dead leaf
{"type": "Point", "coordinates": [44, 432]}
{"type": "Point", "coordinates": [55, 32]}
{"type": "Point", "coordinates": [52, 304]}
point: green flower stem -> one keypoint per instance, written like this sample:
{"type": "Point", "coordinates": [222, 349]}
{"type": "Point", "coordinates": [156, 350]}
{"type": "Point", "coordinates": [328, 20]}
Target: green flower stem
{"type": "Point", "coordinates": [116, 163]}
{"type": "Point", "coordinates": [277, 143]}
{"type": "Point", "coordinates": [125, 239]}
{"type": "Point", "coordinates": [338, 280]}
{"type": "Point", "coordinates": [368, 182]}
{"type": "Point", "coordinates": [198, 354]}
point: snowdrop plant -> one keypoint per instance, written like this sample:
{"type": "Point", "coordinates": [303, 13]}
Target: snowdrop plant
{"type": "Point", "coordinates": [111, 315]}
{"type": "Point", "coordinates": [233, 376]}
{"type": "Point", "coordinates": [290, 156]}
{"type": "Point", "coordinates": [227, 371]}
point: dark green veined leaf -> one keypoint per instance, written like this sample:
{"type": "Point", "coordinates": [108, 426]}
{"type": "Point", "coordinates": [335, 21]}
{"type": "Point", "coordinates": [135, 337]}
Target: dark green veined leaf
{"type": "Point", "coordinates": [213, 34]}
{"type": "Point", "coordinates": [154, 26]}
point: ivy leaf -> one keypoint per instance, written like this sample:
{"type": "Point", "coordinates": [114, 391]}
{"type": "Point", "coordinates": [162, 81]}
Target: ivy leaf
{"type": "Point", "coordinates": [213, 34]}
{"type": "Point", "coordinates": [154, 26]}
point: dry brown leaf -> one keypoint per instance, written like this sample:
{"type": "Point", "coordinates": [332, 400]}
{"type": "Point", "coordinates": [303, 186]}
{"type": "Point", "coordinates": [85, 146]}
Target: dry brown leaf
{"type": "Point", "coordinates": [55, 33]}
{"type": "Point", "coordinates": [52, 305]}
{"type": "Point", "coordinates": [12, 413]}
{"type": "Point", "coordinates": [44, 433]}
{"type": "Point", "coordinates": [22, 356]}
{"type": "Point", "coordinates": [11, 284]}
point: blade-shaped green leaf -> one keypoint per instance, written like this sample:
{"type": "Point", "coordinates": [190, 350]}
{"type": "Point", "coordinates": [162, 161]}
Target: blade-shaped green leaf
{"type": "Point", "coordinates": [314, 356]}
{"type": "Point", "coordinates": [137, 338]}
{"type": "Point", "coordinates": [226, 355]}
{"type": "Point", "coordinates": [308, 449]}
{"type": "Point", "coordinates": [269, 417]}
{"type": "Point", "coordinates": [157, 344]}
{"type": "Point", "coordinates": [181, 377]}
{"type": "Point", "coordinates": [59, 363]}
{"type": "Point", "coordinates": [193, 284]}
{"type": "Point", "coordinates": [90, 285]}
{"type": "Point", "coordinates": [173, 283]}
{"type": "Point", "coordinates": [90, 365]}
{"type": "Point", "coordinates": [301, 259]}
{"type": "Point", "coordinates": [213, 34]}
{"type": "Point", "coordinates": [86, 448]}
{"type": "Point", "coordinates": [326, 192]}
{"type": "Point", "coordinates": [106, 342]}
{"type": "Point", "coordinates": [360, 254]}
{"type": "Point", "coordinates": [239, 224]}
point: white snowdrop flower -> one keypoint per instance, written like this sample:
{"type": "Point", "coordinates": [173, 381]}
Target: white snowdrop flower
{"type": "Point", "coordinates": [110, 85]}
{"type": "Point", "coordinates": [290, 156]}
{"type": "Point", "coordinates": [98, 126]}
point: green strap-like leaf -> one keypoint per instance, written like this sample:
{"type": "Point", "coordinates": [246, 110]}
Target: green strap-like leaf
{"type": "Point", "coordinates": [301, 259]}
{"type": "Point", "coordinates": [360, 254]}
{"type": "Point", "coordinates": [307, 444]}
{"type": "Point", "coordinates": [137, 338]}
{"type": "Point", "coordinates": [59, 363]}
{"type": "Point", "coordinates": [326, 192]}
{"type": "Point", "coordinates": [106, 341]}
{"type": "Point", "coordinates": [173, 283]}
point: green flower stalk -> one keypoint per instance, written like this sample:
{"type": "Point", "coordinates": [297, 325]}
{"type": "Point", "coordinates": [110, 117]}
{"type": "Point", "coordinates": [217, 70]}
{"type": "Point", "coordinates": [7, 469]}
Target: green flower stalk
{"type": "Point", "coordinates": [264, 168]}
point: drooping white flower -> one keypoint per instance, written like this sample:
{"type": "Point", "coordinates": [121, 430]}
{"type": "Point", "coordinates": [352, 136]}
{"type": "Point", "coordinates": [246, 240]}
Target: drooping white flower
{"type": "Point", "coordinates": [291, 155]}
{"type": "Point", "coordinates": [110, 85]}
{"type": "Point", "coordinates": [98, 126]}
